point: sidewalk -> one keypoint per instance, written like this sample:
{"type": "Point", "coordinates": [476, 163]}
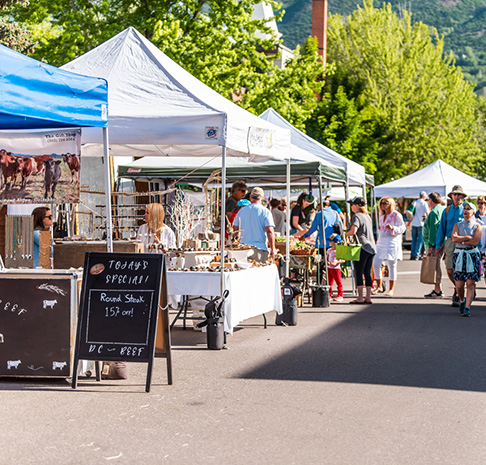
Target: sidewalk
{"type": "Point", "coordinates": [401, 381]}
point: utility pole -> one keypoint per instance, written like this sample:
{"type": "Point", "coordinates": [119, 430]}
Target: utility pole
{"type": "Point", "coordinates": [319, 26]}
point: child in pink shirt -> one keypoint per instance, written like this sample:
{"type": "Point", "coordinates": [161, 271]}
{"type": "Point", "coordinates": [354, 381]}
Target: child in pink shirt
{"type": "Point", "coordinates": [334, 268]}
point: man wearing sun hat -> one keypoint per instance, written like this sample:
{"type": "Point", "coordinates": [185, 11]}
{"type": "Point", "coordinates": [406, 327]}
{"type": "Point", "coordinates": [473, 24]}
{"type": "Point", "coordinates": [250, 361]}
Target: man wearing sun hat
{"type": "Point", "coordinates": [444, 245]}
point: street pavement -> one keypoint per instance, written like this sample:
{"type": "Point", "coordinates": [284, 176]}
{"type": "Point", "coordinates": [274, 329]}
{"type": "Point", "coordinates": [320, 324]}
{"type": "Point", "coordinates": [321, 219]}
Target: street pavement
{"type": "Point", "coordinates": [401, 381]}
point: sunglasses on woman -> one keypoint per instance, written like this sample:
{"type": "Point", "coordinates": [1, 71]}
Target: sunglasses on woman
{"type": "Point", "coordinates": [49, 217]}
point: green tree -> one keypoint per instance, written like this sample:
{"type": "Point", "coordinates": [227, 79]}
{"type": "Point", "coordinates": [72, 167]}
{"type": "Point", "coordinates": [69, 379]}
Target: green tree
{"type": "Point", "coordinates": [291, 91]}
{"type": "Point", "coordinates": [13, 34]}
{"type": "Point", "coordinates": [392, 83]}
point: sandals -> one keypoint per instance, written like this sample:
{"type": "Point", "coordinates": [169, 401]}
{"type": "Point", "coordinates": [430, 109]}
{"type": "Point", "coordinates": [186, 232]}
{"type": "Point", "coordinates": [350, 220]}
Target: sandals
{"type": "Point", "coordinates": [357, 302]}
{"type": "Point", "coordinates": [377, 290]}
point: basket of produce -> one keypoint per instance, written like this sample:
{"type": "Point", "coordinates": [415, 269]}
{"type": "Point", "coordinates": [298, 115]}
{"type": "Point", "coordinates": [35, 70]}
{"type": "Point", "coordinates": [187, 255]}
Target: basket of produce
{"type": "Point", "coordinates": [280, 244]}
{"type": "Point", "coordinates": [302, 248]}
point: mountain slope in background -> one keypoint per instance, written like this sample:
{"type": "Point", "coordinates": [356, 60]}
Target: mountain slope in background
{"type": "Point", "coordinates": [463, 24]}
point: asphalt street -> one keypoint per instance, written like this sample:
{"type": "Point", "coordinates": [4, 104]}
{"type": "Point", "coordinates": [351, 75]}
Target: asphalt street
{"type": "Point", "coordinates": [401, 381]}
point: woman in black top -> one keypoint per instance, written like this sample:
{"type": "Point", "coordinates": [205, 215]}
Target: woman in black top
{"type": "Point", "coordinates": [362, 227]}
{"type": "Point", "coordinates": [297, 216]}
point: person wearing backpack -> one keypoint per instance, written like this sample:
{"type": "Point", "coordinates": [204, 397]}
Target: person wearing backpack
{"type": "Point", "coordinates": [444, 245]}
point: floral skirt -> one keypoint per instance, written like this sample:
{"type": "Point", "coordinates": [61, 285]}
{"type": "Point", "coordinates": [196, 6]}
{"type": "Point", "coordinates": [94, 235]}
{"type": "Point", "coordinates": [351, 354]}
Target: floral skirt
{"type": "Point", "coordinates": [464, 275]}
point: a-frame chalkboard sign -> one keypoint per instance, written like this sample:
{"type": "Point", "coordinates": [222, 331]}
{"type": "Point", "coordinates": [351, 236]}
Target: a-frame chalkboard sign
{"type": "Point", "coordinates": [118, 309]}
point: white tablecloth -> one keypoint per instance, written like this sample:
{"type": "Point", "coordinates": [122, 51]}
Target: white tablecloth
{"type": "Point", "coordinates": [251, 292]}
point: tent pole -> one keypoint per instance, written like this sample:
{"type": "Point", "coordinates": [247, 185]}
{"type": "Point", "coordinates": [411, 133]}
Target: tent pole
{"type": "Point", "coordinates": [109, 225]}
{"type": "Point", "coordinates": [223, 213]}
{"type": "Point", "coordinates": [287, 224]}
{"type": "Point", "coordinates": [348, 208]}
{"type": "Point", "coordinates": [375, 208]}
{"type": "Point", "coordinates": [324, 255]}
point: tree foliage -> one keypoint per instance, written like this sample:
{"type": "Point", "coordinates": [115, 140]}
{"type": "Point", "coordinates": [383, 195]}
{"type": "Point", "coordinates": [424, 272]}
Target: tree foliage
{"type": "Point", "coordinates": [13, 34]}
{"type": "Point", "coordinates": [462, 23]}
{"type": "Point", "coordinates": [291, 91]}
{"type": "Point", "coordinates": [394, 86]}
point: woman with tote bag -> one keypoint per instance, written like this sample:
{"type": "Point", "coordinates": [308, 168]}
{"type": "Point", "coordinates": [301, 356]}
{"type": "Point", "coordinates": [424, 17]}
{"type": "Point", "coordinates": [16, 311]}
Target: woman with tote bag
{"type": "Point", "coordinates": [362, 227]}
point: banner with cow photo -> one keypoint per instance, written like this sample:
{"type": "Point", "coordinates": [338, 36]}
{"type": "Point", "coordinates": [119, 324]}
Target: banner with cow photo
{"type": "Point", "coordinates": [40, 166]}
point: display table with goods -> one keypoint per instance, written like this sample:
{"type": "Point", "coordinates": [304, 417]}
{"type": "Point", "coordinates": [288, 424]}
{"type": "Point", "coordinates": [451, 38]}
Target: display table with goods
{"type": "Point", "coordinates": [252, 291]}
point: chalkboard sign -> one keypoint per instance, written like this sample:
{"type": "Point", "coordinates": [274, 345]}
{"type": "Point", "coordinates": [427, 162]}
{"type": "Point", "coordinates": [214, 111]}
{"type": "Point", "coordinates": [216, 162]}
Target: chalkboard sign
{"type": "Point", "coordinates": [119, 308]}
{"type": "Point", "coordinates": [37, 319]}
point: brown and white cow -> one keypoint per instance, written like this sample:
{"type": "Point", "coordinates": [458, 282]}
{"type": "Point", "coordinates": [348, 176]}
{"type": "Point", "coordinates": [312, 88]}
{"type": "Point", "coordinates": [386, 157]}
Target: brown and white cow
{"type": "Point", "coordinates": [11, 167]}
{"type": "Point", "coordinates": [29, 167]}
{"type": "Point", "coordinates": [3, 163]}
{"type": "Point", "coordinates": [39, 161]}
{"type": "Point", "coordinates": [74, 165]}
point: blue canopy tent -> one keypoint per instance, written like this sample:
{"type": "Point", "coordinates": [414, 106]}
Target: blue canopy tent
{"type": "Point", "coordinates": [35, 95]}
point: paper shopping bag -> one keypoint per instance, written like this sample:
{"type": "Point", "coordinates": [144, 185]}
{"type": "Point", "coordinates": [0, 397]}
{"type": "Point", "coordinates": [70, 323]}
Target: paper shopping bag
{"type": "Point", "coordinates": [428, 272]}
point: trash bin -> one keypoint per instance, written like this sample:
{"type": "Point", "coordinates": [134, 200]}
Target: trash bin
{"type": "Point", "coordinates": [288, 317]}
{"type": "Point", "coordinates": [320, 296]}
{"type": "Point", "coordinates": [214, 312]}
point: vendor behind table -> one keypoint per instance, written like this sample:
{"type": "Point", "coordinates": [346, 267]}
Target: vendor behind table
{"type": "Point", "coordinates": [155, 236]}
{"type": "Point", "coordinates": [42, 252]}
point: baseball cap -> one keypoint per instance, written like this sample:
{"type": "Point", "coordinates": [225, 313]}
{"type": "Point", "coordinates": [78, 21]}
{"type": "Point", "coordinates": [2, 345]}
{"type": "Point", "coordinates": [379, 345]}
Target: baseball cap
{"type": "Point", "coordinates": [335, 238]}
{"type": "Point", "coordinates": [257, 193]}
{"type": "Point", "coordinates": [358, 201]}
{"type": "Point", "coordinates": [243, 203]}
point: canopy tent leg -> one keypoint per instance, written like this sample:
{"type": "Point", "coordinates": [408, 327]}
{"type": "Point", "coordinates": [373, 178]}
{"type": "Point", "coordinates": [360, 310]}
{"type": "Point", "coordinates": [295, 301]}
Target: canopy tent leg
{"type": "Point", "coordinates": [324, 258]}
{"type": "Point", "coordinates": [109, 225]}
{"type": "Point", "coordinates": [287, 225]}
{"type": "Point", "coordinates": [223, 214]}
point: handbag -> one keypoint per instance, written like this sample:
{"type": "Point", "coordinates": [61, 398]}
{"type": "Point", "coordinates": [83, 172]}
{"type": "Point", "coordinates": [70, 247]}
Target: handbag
{"type": "Point", "coordinates": [428, 271]}
{"type": "Point", "coordinates": [349, 252]}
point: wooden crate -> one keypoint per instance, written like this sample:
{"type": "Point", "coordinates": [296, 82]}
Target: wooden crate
{"type": "Point", "coordinates": [70, 254]}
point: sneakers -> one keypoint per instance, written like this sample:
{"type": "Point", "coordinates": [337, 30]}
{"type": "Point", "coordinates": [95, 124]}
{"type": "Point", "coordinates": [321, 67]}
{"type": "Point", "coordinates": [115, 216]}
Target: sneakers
{"type": "Point", "coordinates": [455, 300]}
{"type": "Point", "coordinates": [467, 312]}
{"type": "Point", "coordinates": [462, 307]}
{"type": "Point", "coordinates": [434, 295]}
{"type": "Point", "coordinates": [338, 299]}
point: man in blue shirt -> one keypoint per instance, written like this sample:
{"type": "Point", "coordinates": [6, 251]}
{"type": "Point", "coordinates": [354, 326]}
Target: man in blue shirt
{"type": "Point", "coordinates": [256, 225]}
{"type": "Point", "coordinates": [444, 245]}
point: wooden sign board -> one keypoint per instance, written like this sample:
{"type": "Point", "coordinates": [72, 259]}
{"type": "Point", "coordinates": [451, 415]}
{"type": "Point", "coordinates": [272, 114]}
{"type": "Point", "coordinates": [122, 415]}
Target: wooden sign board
{"type": "Point", "coordinates": [119, 307]}
{"type": "Point", "coordinates": [37, 323]}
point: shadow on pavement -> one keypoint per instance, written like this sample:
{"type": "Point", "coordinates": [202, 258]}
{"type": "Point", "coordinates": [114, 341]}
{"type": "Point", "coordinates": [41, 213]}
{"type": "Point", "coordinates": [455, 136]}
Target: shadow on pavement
{"type": "Point", "coordinates": [406, 344]}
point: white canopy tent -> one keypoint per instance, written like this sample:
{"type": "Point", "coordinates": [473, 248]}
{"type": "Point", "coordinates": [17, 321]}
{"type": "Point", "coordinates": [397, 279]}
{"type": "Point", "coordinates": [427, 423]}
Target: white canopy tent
{"type": "Point", "coordinates": [158, 108]}
{"type": "Point", "coordinates": [436, 177]}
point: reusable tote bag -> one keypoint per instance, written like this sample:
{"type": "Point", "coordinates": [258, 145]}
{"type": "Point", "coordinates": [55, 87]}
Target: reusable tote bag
{"type": "Point", "coordinates": [428, 272]}
{"type": "Point", "coordinates": [349, 252]}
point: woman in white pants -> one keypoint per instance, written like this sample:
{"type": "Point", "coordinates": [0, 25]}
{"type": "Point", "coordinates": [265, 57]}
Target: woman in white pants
{"type": "Point", "coordinates": [389, 245]}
